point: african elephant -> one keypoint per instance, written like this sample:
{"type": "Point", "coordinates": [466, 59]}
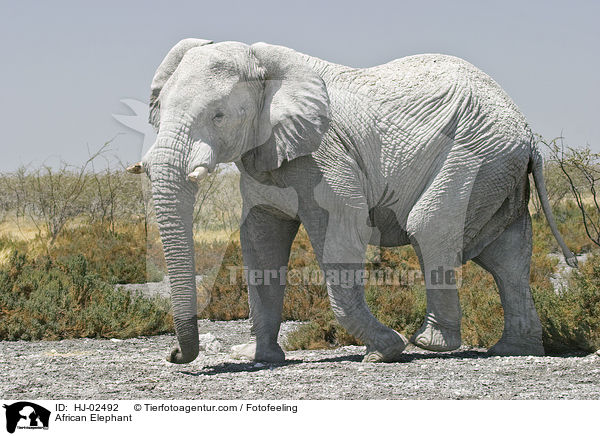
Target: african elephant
{"type": "Point", "coordinates": [424, 150]}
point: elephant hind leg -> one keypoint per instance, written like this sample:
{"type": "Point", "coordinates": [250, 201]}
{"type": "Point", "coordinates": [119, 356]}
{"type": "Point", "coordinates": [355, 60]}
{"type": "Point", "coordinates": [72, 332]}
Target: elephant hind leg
{"type": "Point", "coordinates": [435, 226]}
{"type": "Point", "coordinates": [508, 259]}
{"type": "Point", "coordinates": [440, 330]}
{"type": "Point", "coordinates": [340, 249]}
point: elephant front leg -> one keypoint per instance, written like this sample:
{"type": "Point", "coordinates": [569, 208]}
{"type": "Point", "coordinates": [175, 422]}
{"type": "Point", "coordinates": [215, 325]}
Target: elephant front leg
{"type": "Point", "coordinates": [266, 238]}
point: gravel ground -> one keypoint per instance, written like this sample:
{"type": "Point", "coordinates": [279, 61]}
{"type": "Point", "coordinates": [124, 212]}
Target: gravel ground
{"type": "Point", "coordinates": [136, 369]}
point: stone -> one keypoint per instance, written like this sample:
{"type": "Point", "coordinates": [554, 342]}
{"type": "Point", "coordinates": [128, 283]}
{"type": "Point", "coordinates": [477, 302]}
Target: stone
{"type": "Point", "coordinates": [209, 343]}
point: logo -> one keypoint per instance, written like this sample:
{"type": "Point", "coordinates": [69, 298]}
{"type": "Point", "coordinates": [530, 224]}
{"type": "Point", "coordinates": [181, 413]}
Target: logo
{"type": "Point", "coordinates": [138, 121]}
{"type": "Point", "coordinates": [25, 415]}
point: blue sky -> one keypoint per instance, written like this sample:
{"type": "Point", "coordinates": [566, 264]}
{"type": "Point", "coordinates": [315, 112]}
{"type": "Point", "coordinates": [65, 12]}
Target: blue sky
{"type": "Point", "coordinates": [66, 65]}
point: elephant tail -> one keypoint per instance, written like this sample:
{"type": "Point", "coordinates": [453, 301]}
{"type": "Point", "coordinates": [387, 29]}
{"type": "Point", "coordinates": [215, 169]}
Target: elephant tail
{"type": "Point", "coordinates": [537, 168]}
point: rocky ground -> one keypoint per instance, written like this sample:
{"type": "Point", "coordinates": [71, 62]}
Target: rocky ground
{"type": "Point", "coordinates": [136, 369]}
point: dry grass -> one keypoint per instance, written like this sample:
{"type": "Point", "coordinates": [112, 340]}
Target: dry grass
{"type": "Point", "coordinates": [22, 230]}
{"type": "Point", "coordinates": [208, 236]}
{"type": "Point", "coordinates": [5, 255]}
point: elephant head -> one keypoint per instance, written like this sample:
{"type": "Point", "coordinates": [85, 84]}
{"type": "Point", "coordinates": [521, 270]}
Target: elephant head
{"type": "Point", "coordinates": [214, 103]}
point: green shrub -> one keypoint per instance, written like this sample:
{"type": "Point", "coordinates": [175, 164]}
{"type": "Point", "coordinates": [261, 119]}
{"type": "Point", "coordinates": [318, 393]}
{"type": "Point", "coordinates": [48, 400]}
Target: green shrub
{"type": "Point", "coordinates": [571, 319]}
{"type": "Point", "coordinates": [46, 299]}
{"type": "Point", "coordinates": [482, 320]}
{"type": "Point", "coordinates": [402, 307]}
{"type": "Point", "coordinates": [116, 257]}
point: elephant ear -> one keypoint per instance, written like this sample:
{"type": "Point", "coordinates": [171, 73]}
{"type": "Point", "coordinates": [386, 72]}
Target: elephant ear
{"type": "Point", "coordinates": [166, 68]}
{"type": "Point", "coordinates": [295, 110]}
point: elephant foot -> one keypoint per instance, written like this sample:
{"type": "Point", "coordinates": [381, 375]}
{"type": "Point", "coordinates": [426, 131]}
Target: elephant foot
{"type": "Point", "coordinates": [435, 337]}
{"type": "Point", "coordinates": [249, 351]}
{"type": "Point", "coordinates": [391, 353]}
{"type": "Point", "coordinates": [176, 356]}
{"type": "Point", "coordinates": [518, 346]}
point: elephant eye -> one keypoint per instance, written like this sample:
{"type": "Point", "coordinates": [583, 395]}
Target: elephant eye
{"type": "Point", "coordinates": [218, 118]}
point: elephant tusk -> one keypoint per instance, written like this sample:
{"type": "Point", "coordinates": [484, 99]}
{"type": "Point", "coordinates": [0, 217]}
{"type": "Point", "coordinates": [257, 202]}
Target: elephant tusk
{"type": "Point", "coordinates": [137, 168]}
{"type": "Point", "coordinates": [198, 174]}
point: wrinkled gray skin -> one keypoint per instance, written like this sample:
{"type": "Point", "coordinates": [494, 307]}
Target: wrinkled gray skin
{"type": "Point", "coordinates": [425, 150]}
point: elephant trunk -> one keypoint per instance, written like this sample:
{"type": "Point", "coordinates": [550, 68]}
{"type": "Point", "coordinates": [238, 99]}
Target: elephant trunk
{"type": "Point", "coordinates": [174, 199]}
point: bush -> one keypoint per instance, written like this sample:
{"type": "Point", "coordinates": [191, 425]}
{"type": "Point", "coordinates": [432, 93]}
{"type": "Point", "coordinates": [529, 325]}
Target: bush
{"type": "Point", "coordinates": [483, 317]}
{"type": "Point", "coordinates": [571, 319]}
{"type": "Point", "coordinates": [46, 299]}
{"type": "Point", "coordinates": [116, 256]}
{"type": "Point", "coordinates": [402, 307]}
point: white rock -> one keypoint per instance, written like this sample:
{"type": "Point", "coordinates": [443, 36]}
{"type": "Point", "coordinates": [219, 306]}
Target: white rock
{"type": "Point", "coordinates": [116, 340]}
{"type": "Point", "coordinates": [209, 343]}
{"type": "Point", "coordinates": [563, 271]}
